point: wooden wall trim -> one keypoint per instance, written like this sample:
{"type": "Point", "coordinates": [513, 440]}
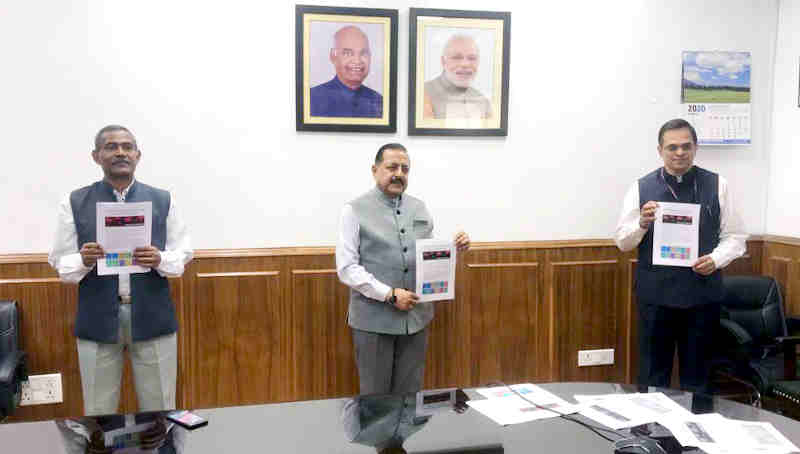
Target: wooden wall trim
{"type": "Point", "coordinates": [320, 271]}
{"type": "Point", "coordinates": [22, 258]}
{"type": "Point", "coordinates": [327, 250]}
{"type": "Point", "coordinates": [33, 280]}
{"type": "Point", "coordinates": [239, 274]}
{"type": "Point", "coordinates": [542, 244]}
{"type": "Point", "coordinates": [262, 252]}
{"type": "Point", "coordinates": [789, 241]}
{"type": "Point", "coordinates": [586, 262]}
{"type": "Point", "coordinates": [502, 265]}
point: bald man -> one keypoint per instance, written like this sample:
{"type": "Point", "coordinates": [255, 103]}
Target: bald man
{"type": "Point", "coordinates": [450, 95]}
{"type": "Point", "coordinates": [345, 95]}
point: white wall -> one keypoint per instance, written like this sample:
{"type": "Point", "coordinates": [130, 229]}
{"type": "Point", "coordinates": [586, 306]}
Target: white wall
{"type": "Point", "coordinates": [783, 215]}
{"type": "Point", "coordinates": [208, 88]}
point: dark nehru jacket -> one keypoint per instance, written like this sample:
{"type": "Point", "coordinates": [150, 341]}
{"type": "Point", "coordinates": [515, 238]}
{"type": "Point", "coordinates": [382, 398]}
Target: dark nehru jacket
{"type": "Point", "coordinates": [152, 311]}
{"type": "Point", "coordinates": [672, 285]}
{"type": "Point", "coordinates": [335, 99]}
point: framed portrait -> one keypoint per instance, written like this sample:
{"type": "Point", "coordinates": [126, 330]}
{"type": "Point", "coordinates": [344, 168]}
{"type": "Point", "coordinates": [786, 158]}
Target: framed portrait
{"type": "Point", "coordinates": [346, 69]}
{"type": "Point", "coordinates": [458, 72]}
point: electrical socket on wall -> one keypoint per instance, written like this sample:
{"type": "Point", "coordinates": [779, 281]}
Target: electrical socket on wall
{"type": "Point", "coordinates": [42, 389]}
{"type": "Point", "coordinates": [595, 357]}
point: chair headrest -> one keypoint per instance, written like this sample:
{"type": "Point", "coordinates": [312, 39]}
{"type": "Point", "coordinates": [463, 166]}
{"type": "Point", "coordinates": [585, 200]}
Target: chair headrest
{"type": "Point", "coordinates": [750, 292]}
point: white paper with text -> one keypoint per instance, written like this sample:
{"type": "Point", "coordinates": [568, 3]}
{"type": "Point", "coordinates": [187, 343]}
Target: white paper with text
{"type": "Point", "coordinates": [121, 228]}
{"type": "Point", "coordinates": [436, 270]}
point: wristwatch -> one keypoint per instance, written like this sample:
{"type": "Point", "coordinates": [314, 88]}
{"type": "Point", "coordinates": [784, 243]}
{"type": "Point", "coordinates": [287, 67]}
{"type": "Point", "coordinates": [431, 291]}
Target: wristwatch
{"type": "Point", "coordinates": [392, 299]}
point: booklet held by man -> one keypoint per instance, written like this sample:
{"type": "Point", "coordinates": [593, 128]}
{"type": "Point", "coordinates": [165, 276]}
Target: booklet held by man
{"type": "Point", "coordinates": [121, 228]}
{"type": "Point", "coordinates": [436, 270]}
{"type": "Point", "coordinates": [676, 232]}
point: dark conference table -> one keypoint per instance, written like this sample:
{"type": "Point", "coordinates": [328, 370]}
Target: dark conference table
{"type": "Point", "coordinates": [326, 426]}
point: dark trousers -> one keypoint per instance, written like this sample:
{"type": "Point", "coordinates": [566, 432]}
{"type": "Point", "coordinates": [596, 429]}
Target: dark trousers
{"type": "Point", "coordinates": [390, 363]}
{"type": "Point", "coordinates": [692, 330]}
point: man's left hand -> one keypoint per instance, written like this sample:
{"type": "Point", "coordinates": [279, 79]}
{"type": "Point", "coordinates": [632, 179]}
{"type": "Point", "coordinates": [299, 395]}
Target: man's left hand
{"type": "Point", "coordinates": [704, 266]}
{"type": "Point", "coordinates": [147, 256]}
{"type": "Point", "coordinates": [462, 241]}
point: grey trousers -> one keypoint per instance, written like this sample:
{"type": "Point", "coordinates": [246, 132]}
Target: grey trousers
{"type": "Point", "coordinates": [390, 363]}
{"type": "Point", "coordinates": [155, 369]}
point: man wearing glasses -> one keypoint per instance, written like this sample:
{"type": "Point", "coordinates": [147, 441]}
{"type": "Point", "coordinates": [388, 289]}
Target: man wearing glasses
{"type": "Point", "coordinates": [345, 95]}
{"type": "Point", "coordinates": [679, 306]}
{"type": "Point", "coordinates": [130, 311]}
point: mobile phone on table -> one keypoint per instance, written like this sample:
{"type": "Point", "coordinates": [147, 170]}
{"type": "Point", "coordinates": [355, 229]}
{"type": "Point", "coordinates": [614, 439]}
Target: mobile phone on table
{"type": "Point", "coordinates": [186, 419]}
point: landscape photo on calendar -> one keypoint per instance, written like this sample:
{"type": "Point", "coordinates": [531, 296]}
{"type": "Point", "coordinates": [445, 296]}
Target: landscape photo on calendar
{"type": "Point", "coordinates": [715, 77]}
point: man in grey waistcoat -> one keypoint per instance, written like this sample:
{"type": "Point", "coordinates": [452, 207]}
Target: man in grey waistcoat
{"type": "Point", "coordinates": [376, 258]}
{"type": "Point", "coordinates": [130, 311]}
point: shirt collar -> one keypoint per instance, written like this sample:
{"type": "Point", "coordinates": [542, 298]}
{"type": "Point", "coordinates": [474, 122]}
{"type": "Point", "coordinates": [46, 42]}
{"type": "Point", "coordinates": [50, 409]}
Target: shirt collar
{"type": "Point", "coordinates": [121, 195]}
{"type": "Point", "coordinates": [672, 180]}
{"type": "Point", "coordinates": [340, 84]}
{"type": "Point", "coordinates": [391, 202]}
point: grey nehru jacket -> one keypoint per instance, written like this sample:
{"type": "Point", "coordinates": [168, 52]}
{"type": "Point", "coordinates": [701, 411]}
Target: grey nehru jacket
{"type": "Point", "coordinates": [388, 230]}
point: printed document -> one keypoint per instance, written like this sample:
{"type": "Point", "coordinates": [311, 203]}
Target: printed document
{"type": "Point", "coordinates": [713, 433]}
{"type": "Point", "coordinates": [676, 232]}
{"type": "Point", "coordinates": [121, 228]}
{"type": "Point", "coordinates": [618, 411]}
{"type": "Point", "coordinates": [436, 270]}
{"type": "Point", "coordinates": [505, 407]}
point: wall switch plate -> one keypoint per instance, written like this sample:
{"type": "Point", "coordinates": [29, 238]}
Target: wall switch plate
{"type": "Point", "coordinates": [42, 389]}
{"type": "Point", "coordinates": [595, 357]}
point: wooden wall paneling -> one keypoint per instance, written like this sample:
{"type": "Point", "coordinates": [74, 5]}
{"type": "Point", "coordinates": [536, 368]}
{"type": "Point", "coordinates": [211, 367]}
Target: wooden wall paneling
{"type": "Point", "coordinates": [27, 266]}
{"type": "Point", "coordinates": [237, 357]}
{"type": "Point", "coordinates": [47, 318]}
{"type": "Point", "coordinates": [586, 295]}
{"type": "Point", "coordinates": [322, 355]}
{"type": "Point", "coordinates": [504, 294]}
{"type": "Point", "coordinates": [256, 325]}
{"type": "Point", "coordinates": [445, 361]}
{"type": "Point", "coordinates": [447, 357]}
{"type": "Point", "coordinates": [780, 262]}
{"type": "Point", "coordinates": [750, 263]}
{"type": "Point", "coordinates": [632, 326]}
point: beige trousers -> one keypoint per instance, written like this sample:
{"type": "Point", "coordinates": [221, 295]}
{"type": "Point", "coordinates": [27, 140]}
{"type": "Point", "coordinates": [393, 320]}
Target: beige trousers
{"type": "Point", "coordinates": [155, 367]}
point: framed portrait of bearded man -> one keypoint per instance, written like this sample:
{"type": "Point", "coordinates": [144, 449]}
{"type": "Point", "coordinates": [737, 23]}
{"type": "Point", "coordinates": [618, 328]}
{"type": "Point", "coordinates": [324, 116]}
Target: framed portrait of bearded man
{"type": "Point", "coordinates": [346, 69]}
{"type": "Point", "coordinates": [458, 72]}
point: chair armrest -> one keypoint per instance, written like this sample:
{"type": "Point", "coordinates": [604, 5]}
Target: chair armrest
{"type": "Point", "coordinates": [9, 364]}
{"type": "Point", "coordinates": [788, 340]}
{"type": "Point", "coordinates": [789, 347]}
{"type": "Point", "coordinates": [735, 330]}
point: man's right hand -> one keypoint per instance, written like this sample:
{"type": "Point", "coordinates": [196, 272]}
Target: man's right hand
{"type": "Point", "coordinates": [90, 252]}
{"type": "Point", "coordinates": [405, 300]}
{"type": "Point", "coordinates": [647, 214]}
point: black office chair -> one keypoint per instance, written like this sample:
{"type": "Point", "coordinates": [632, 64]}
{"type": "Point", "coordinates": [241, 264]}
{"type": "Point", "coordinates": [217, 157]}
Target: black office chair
{"type": "Point", "coordinates": [13, 370]}
{"type": "Point", "coordinates": [753, 347]}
